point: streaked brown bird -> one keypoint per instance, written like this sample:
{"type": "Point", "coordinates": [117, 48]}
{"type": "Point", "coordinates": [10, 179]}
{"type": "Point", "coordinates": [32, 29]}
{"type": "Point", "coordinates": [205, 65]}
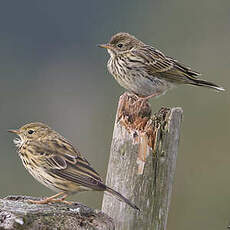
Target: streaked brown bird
{"type": "Point", "coordinates": [54, 162]}
{"type": "Point", "coordinates": [146, 71]}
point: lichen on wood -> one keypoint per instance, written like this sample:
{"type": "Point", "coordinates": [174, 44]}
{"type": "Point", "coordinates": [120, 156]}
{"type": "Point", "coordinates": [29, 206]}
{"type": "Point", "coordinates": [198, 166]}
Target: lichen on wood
{"type": "Point", "coordinates": [16, 213]}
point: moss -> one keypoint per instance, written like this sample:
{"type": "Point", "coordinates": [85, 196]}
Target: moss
{"type": "Point", "coordinates": [123, 149]}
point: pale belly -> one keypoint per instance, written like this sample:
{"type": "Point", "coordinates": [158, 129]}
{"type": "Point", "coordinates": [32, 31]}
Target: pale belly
{"type": "Point", "coordinates": [137, 82]}
{"type": "Point", "coordinates": [41, 176]}
{"type": "Point", "coordinates": [56, 184]}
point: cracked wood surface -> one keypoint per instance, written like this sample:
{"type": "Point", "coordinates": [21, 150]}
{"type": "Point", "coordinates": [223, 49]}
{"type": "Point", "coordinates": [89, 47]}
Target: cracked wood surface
{"type": "Point", "coordinates": [142, 164]}
{"type": "Point", "coordinates": [16, 213]}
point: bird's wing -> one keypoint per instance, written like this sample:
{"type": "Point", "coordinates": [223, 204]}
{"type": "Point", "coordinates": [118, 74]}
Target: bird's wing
{"type": "Point", "coordinates": [60, 158]}
{"type": "Point", "coordinates": [153, 60]}
{"type": "Point", "coordinates": [157, 64]}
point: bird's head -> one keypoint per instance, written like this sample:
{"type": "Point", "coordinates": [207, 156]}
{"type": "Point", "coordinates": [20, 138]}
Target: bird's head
{"type": "Point", "coordinates": [120, 43]}
{"type": "Point", "coordinates": [31, 131]}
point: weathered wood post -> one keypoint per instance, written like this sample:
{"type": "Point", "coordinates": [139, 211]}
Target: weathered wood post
{"type": "Point", "coordinates": [142, 164]}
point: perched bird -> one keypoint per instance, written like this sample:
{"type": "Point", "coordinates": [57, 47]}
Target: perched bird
{"type": "Point", "coordinates": [54, 162]}
{"type": "Point", "coordinates": [146, 71]}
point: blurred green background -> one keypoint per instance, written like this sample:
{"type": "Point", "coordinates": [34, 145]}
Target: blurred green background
{"type": "Point", "coordinates": [52, 71]}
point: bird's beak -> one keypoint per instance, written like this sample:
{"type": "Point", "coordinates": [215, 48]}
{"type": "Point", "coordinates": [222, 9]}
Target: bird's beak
{"type": "Point", "coordinates": [106, 46]}
{"type": "Point", "coordinates": [16, 131]}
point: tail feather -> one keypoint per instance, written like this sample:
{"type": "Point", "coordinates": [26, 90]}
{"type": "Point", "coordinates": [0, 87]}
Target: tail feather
{"type": "Point", "coordinates": [121, 197]}
{"type": "Point", "coordinates": [207, 84]}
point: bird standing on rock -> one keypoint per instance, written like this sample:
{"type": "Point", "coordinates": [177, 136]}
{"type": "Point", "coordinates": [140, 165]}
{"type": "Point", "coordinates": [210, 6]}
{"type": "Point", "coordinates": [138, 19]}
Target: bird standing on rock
{"type": "Point", "coordinates": [146, 71]}
{"type": "Point", "coordinates": [54, 162]}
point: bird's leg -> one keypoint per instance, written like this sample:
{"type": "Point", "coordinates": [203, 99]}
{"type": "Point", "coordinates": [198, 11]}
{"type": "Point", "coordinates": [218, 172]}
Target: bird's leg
{"type": "Point", "coordinates": [62, 200]}
{"type": "Point", "coordinates": [152, 95]}
{"type": "Point", "coordinates": [144, 99]}
{"type": "Point", "coordinates": [48, 200]}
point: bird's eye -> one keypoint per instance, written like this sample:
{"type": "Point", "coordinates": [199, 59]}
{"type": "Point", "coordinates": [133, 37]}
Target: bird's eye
{"type": "Point", "coordinates": [119, 45]}
{"type": "Point", "coordinates": [30, 131]}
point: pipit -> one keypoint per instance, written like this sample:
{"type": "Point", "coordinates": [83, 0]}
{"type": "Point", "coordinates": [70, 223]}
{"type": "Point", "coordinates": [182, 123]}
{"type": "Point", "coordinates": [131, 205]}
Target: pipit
{"type": "Point", "coordinates": [146, 71]}
{"type": "Point", "coordinates": [57, 164]}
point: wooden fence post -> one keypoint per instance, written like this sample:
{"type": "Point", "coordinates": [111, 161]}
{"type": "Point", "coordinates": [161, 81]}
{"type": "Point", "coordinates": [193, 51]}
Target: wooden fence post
{"type": "Point", "coordinates": [142, 164]}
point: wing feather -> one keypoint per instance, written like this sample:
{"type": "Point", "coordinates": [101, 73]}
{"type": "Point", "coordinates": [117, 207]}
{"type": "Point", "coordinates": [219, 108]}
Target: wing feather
{"type": "Point", "coordinates": [161, 66]}
{"type": "Point", "coordinates": [63, 160]}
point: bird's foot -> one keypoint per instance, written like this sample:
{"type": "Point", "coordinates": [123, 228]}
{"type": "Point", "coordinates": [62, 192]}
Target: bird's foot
{"type": "Point", "coordinates": [45, 201]}
{"type": "Point", "coordinates": [52, 199]}
{"type": "Point", "coordinates": [49, 201]}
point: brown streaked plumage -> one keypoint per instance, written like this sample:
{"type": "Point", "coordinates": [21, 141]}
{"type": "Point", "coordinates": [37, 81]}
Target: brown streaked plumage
{"type": "Point", "coordinates": [54, 162]}
{"type": "Point", "coordinates": [146, 71]}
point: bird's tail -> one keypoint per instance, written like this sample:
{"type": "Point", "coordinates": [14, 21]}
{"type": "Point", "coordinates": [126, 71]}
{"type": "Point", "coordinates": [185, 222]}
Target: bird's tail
{"type": "Point", "coordinates": [121, 198]}
{"type": "Point", "coordinates": [200, 82]}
